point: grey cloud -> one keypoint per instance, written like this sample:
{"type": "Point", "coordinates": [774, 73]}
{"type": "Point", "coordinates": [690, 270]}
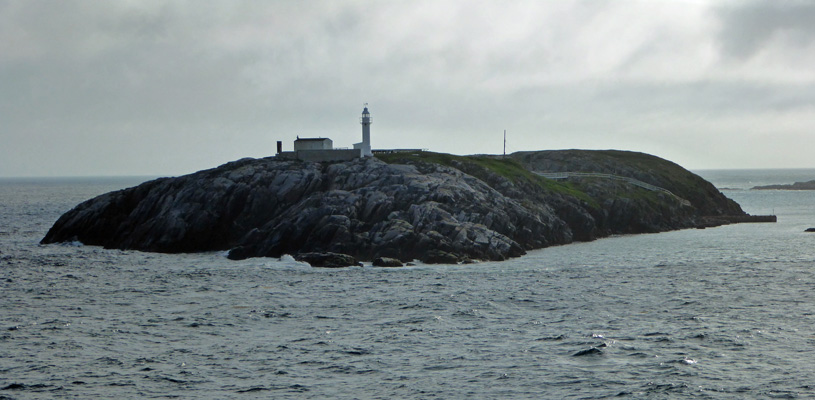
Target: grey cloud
{"type": "Point", "coordinates": [121, 65]}
{"type": "Point", "coordinates": [706, 98]}
{"type": "Point", "coordinates": [747, 27]}
{"type": "Point", "coordinates": [200, 76]}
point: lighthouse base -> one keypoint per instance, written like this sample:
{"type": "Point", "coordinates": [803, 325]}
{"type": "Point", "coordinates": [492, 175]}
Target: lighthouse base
{"type": "Point", "coordinates": [364, 148]}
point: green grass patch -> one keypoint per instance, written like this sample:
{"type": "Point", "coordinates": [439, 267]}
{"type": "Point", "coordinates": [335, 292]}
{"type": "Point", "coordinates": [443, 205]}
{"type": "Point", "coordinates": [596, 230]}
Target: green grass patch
{"type": "Point", "coordinates": [507, 167]}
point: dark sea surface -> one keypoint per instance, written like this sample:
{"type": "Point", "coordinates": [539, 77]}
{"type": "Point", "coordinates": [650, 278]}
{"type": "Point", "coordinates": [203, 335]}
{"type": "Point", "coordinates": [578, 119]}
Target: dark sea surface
{"type": "Point", "coordinates": [721, 313]}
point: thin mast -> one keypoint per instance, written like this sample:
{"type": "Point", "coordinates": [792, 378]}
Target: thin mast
{"type": "Point", "coordinates": [505, 143]}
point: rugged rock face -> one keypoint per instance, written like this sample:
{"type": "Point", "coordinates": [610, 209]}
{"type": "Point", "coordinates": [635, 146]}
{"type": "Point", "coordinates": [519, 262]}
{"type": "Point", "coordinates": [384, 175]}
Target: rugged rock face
{"type": "Point", "coordinates": [410, 209]}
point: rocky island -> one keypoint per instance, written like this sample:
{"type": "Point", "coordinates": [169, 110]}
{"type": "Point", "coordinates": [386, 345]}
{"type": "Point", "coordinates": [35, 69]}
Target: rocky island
{"type": "Point", "coordinates": [810, 185]}
{"type": "Point", "coordinates": [433, 207]}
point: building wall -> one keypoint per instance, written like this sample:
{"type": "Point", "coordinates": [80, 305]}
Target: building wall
{"type": "Point", "coordinates": [288, 155]}
{"type": "Point", "coordinates": [310, 144]}
{"type": "Point", "coordinates": [329, 155]}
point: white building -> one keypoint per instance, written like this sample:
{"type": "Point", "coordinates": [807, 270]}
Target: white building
{"type": "Point", "coordinates": [313, 144]}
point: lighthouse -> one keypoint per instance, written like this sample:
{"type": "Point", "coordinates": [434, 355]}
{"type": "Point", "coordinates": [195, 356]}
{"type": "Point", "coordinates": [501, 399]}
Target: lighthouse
{"type": "Point", "coordinates": [366, 121]}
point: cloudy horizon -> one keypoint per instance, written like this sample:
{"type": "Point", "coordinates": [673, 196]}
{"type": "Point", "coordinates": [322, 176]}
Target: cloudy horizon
{"type": "Point", "coordinates": [97, 88]}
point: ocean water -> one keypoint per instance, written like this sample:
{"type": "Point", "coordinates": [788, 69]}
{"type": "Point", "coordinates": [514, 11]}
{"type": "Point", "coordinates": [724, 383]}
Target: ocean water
{"type": "Point", "coordinates": [721, 313]}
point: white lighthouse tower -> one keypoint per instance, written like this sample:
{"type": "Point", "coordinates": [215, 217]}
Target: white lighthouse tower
{"type": "Point", "coordinates": [366, 121]}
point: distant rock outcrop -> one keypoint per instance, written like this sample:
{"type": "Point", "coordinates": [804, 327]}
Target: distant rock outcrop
{"type": "Point", "coordinates": [810, 185]}
{"type": "Point", "coordinates": [327, 260]}
{"type": "Point", "coordinates": [431, 207]}
{"type": "Point", "coordinates": [387, 262]}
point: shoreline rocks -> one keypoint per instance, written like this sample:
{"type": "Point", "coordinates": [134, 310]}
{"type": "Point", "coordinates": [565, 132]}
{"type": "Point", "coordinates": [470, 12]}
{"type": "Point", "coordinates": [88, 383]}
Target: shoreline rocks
{"type": "Point", "coordinates": [327, 260]}
{"type": "Point", "coordinates": [387, 262]}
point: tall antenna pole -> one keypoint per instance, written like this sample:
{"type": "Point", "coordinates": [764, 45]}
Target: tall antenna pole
{"type": "Point", "coordinates": [505, 143]}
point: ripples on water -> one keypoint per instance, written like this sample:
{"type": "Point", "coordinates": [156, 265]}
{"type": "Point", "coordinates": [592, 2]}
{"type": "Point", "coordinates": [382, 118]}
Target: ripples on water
{"type": "Point", "coordinates": [716, 313]}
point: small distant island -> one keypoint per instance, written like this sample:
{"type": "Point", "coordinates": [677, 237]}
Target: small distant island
{"type": "Point", "coordinates": [810, 185]}
{"type": "Point", "coordinates": [334, 207]}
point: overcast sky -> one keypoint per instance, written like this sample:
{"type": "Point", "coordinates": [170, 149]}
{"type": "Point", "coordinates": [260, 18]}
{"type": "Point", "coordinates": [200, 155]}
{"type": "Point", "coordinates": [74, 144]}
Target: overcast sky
{"type": "Point", "coordinates": [143, 87]}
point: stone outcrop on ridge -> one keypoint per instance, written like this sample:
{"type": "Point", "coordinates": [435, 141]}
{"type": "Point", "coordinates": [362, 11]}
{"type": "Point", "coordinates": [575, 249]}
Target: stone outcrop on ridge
{"type": "Point", "coordinates": [412, 208]}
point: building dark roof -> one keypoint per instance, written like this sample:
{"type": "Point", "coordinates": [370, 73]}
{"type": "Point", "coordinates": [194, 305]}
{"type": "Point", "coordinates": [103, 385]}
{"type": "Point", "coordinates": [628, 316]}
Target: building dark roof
{"type": "Point", "coordinates": [311, 139]}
